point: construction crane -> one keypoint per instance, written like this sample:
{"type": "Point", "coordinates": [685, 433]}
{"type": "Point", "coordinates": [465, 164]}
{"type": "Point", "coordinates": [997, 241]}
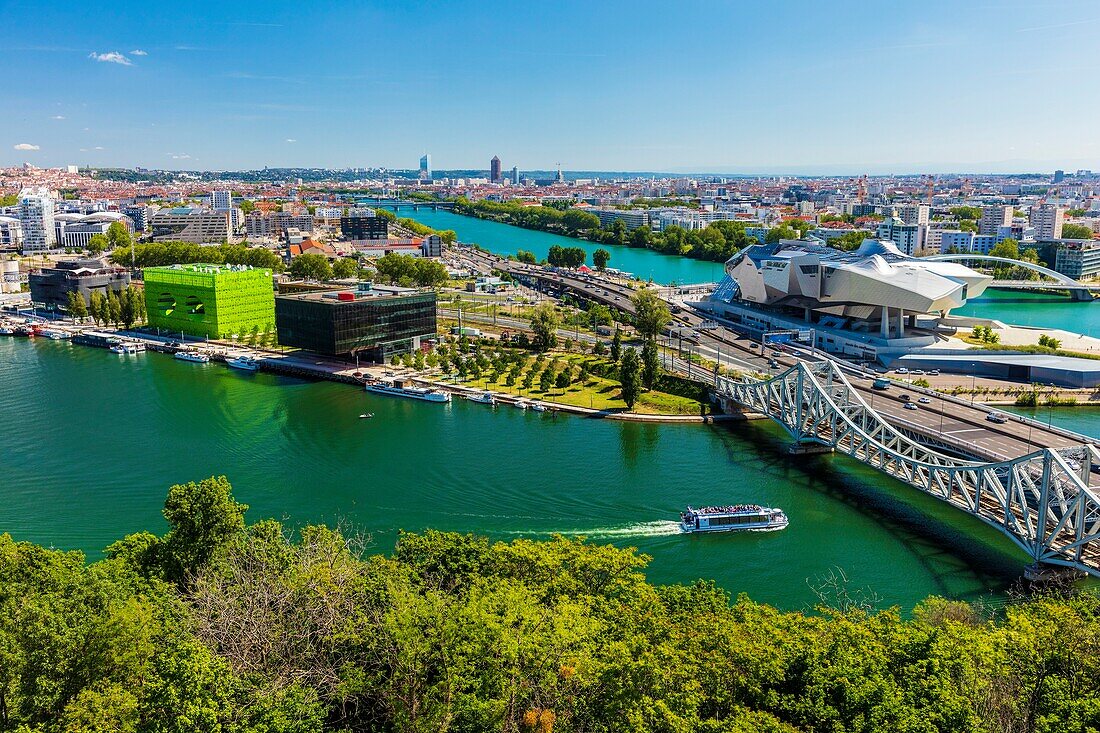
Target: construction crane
{"type": "Point", "coordinates": [862, 188]}
{"type": "Point", "coordinates": [930, 187]}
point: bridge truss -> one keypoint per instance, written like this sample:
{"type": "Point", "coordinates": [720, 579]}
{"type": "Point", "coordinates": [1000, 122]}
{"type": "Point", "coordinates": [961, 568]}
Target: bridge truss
{"type": "Point", "coordinates": [1042, 501]}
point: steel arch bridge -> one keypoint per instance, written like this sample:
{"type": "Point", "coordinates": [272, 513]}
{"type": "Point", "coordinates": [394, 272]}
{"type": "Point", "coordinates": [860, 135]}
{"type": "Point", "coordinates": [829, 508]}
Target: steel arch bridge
{"type": "Point", "coordinates": [1042, 501]}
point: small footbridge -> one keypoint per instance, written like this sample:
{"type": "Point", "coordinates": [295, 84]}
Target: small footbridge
{"type": "Point", "coordinates": [1042, 501]}
{"type": "Point", "coordinates": [1077, 290]}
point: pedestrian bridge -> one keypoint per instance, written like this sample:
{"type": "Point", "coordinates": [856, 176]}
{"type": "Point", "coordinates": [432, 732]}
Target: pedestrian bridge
{"type": "Point", "coordinates": [1042, 501]}
{"type": "Point", "coordinates": [1078, 290]}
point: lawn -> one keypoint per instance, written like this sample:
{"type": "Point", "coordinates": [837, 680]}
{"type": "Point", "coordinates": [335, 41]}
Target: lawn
{"type": "Point", "coordinates": [595, 392]}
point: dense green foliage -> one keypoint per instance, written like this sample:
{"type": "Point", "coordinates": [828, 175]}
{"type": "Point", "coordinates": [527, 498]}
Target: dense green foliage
{"type": "Point", "coordinates": [311, 267]}
{"type": "Point", "coordinates": [600, 258]}
{"type": "Point", "coordinates": [408, 271]}
{"type": "Point", "coordinates": [559, 256]}
{"type": "Point", "coordinates": [221, 626]}
{"type": "Point", "coordinates": [545, 322]}
{"type": "Point", "coordinates": [1076, 231]}
{"type": "Point", "coordinates": [181, 253]}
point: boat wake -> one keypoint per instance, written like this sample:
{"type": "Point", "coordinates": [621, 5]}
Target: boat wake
{"type": "Point", "coordinates": [639, 529]}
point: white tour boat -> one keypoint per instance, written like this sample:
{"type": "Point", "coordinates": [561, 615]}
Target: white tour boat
{"type": "Point", "coordinates": [194, 356]}
{"type": "Point", "coordinates": [245, 363]}
{"type": "Point", "coordinates": [397, 388]}
{"type": "Point", "coordinates": [127, 347]}
{"type": "Point", "coordinates": [55, 334]}
{"type": "Point", "coordinates": [732, 518]}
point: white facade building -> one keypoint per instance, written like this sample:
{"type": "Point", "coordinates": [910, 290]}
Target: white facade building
{"type": "Point", "coordinates": [993, 218]}
{"type": "Point", "coordinates": [907, 237]}
{"type": "Point", "coordinates": [1047, 220]}
{"type": "Point", "coordinates": [36, 211]}
{"type": "Point", "coordinates": [913, 214]}
{"type": "Point", "coordinates": [877, 282]}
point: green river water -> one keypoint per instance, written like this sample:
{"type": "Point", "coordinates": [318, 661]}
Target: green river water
{"type": "Point", "coordinates": [92, 440]}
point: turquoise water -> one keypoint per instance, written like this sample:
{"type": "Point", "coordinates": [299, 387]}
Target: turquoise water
{"type": "Point", "coordinates": [504, 239]}
{"type": "Point", "coordinates": [1084, 420]}
{"type": "Point", "coordinates": [92, 440]}
{"type": "Point", "coordinates": [1036, 309]}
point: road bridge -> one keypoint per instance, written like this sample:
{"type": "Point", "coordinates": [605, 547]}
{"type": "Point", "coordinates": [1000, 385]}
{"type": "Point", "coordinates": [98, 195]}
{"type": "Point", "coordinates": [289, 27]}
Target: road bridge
{"type": "Point", "coordinates": [395, 204]}
{"type": "Point", "coordinates": [1030, 481]}
{"type": "Point", "coordinates": [1041, 501]}
{"type": "Point", "coordinates": [950, 422]}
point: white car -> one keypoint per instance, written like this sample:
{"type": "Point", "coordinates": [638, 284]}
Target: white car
{"type": "Point", "coordinates": [901, 370]}
{"type": "Point", "coordinates": [910, 405]}
{"type": "Point", "coordinates": [924, 400]}
{"type": "Point", "coordinates": [917, 371]}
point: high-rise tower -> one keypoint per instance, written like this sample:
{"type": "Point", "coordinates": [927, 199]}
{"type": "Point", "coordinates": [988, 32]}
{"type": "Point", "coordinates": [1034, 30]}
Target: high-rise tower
{"type": "Point", "coordinates": [494, 170]}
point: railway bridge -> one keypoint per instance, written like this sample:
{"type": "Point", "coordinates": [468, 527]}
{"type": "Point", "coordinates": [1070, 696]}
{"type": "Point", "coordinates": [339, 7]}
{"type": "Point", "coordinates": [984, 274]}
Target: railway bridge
{"type": "Point", "coordinates": [1042, 501]}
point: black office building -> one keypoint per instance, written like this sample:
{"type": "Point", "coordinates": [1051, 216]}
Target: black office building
{"type": "Point", "coordinates": [374, 322]}
{"type": "Point", "coordinates": [50, 288]}
{"type": "Point", "coordinates": [364, 227]}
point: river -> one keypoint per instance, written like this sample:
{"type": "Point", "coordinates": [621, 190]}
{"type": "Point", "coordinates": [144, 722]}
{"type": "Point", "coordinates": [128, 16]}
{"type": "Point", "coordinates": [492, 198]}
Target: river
{"type": "Point", "coordinates": [1036, 309]}
{"type": "Point", "coordinates": [504, 239]}
{"type": "Point", "coordinates": [1022, 308]}
{"type": "Point", "coordinates": [92, 440]}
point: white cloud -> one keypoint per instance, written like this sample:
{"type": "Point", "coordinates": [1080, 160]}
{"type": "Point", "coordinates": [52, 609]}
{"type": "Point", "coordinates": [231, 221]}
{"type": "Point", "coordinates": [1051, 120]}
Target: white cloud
{"type": "Point", "coordinates": [58, 117]}
{"type": "Point", "coordinates": [111, 57]}
{"type": "Point", "coordinates": [291, 140]}
{"type": "Point", "coordinates": [99, 147]}
{"type": "Point", "coordinates": [138, 52]}
{"type": "Point", "coordinates": [25, 146]}
{"type": "Point", "coordinates": [179, 156]}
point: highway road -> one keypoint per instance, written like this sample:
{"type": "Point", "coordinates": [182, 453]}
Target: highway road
{"type": "Point", "coordinates": [945, 419]}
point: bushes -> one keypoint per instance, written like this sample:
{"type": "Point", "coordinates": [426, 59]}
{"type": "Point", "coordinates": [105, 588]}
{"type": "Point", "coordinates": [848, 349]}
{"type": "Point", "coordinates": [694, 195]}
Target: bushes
{"type": "Point", "coordinates": [296, 632]}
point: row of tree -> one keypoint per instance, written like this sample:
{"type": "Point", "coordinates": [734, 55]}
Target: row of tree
{"type": "Point", "coordinates": [218, 625]}
{"type": "Point", "coordinates": [159, 254]}
{"type": "Point", "coordinates": [121, 309]}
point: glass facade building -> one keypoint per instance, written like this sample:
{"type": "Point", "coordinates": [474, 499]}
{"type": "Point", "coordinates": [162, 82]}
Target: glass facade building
{"type": "Point", "coordinates": [372, 323]}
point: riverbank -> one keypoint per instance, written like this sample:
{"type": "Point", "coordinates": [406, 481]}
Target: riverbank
{"type": "Point", "coordinates": [296, 449]}
{"type": "Point", "coordinates": [506, 239]}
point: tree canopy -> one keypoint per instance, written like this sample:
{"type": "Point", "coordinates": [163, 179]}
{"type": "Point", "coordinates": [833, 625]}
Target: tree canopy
{"type": "Point", "coordinates": [651, 314]}
{"type": "Point", "coordinates": [1076, 231]}
{"type": "Point", "coordinates": [219, 625]}
{"type": "Point", "coordinates": [182, 253]}
{"type": "Point", "coordinates": [410, 271]}
{"type": "Point", "coordinates": [311, 267]}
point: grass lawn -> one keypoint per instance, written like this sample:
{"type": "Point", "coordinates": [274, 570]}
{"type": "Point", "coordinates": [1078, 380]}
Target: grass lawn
{"type": "Point", "coordinates": [596, 392]}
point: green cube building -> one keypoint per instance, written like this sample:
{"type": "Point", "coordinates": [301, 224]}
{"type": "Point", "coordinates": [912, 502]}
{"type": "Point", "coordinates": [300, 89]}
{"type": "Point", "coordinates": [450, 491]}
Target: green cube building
{"type": "Point", "coordinates": [212, 301]}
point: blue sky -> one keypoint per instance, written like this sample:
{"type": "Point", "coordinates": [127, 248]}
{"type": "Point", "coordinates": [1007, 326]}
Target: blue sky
{"type": "Point", "coordinates": [843, 87]}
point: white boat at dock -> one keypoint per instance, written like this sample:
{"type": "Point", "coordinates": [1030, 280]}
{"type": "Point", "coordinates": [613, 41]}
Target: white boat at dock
{"type": "Point", "coordinates": [732, 518]}
{"type": "Point", "coordinates": [485, 398]}
{"type": "Point", "coordinates": [539, 407]}
{"type": "Point", "coordinates": [398, 388]}
{"type": "Point", "coordinates": [244, 363]}
{"type": "Point", "coordinates": [128, 347]}
{"type": "Point", "coordinates": [195, 356]}
{"type": "Point", "coordinates": [55, 334]}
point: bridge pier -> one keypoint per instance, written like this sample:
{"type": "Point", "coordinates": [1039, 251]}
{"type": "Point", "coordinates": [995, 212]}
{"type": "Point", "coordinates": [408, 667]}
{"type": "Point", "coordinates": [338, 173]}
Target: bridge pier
{"type": "Point", "coordinates": [808, 449]}
{"type": "Point", "coordinates": [1042, 575]}
{"type": "Point", "coordinates": [1081, 295]}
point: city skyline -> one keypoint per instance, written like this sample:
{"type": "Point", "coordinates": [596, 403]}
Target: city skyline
{"type": "Point", "coordinates": [706, 89]}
